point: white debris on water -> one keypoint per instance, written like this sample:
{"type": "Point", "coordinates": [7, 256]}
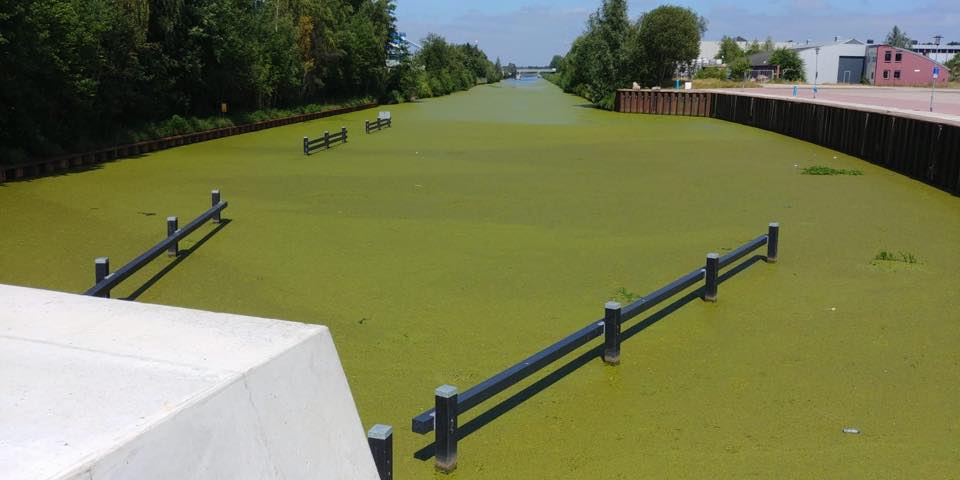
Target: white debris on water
{"type": "Point", "coordinates": [851, 430]}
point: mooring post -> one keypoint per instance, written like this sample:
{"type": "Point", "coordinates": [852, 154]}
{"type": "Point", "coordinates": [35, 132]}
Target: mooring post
{"type": "Point", "coordinates": [611, 333]}
{"type": "Point", "coordinates": [214, 201]}
{"type": "Point", "coordinates": [773, 238]}
{"type": "Point", "coordinates": [711, 272]}
{"type": "Point", "coordinates": [326, 139]}
{"type": "Point", "coordinates": [174, 249]}
{"type": "Point", "coordinates": [445, 427]}
{"type": "Point", "coordinates": [101, 269]}
{"type": "Point", "coordinates": [343, 134]}
{"type": "Point", "coordinates": [366, 126]}
{"type": "Point", "coordinates": [306, 146]}
{"type": "Point", "coordinates": [380, 438]}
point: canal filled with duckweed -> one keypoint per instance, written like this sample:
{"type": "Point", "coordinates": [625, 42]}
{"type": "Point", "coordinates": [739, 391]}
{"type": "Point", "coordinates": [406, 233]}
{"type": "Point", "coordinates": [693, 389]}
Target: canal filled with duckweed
{"type": "Point", "coordinates": [486, 225]}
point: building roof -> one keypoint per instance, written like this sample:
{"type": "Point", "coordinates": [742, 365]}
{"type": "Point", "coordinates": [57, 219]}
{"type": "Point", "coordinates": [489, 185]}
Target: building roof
{"type": "Point", "coordinates": [909, 52]}
{"type": "Point", "coordinates": [805, 46]}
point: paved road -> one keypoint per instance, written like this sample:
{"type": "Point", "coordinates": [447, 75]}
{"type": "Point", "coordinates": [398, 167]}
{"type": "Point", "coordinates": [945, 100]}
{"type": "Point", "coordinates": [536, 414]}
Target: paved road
{"type": "Point", "coordinates": [946, 101]}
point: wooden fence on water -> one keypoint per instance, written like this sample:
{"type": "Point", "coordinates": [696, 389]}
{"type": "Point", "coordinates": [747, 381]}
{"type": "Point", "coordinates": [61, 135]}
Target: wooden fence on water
{"type": "Point", "coordinates": [922, 149]}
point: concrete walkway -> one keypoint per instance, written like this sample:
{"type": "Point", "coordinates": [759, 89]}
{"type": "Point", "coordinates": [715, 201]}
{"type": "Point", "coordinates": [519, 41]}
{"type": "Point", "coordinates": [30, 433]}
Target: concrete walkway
{"type": "Point", "coordinates": [907, 101]}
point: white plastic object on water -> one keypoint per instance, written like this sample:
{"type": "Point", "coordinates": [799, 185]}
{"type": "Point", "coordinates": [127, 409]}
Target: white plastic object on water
{"type": "Point", "coordinates": [383, 115]}
{"type": "Point", "coordinates": [853, 430]}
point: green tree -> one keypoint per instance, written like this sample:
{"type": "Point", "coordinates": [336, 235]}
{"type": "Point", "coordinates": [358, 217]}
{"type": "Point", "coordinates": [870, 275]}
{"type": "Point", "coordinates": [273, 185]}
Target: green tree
{"type": "Point", "coordinates": [729, 50]}
{"type": "Point", "coordinates": [954, 65]}
{"type": "Point", "coordinates": [739, 68]}
{"type": "Point", "coordinates": [556, 61]}
{"type": "Point", "coordinates": [668, 37]}
{"type": "Point", "coordinates": [790, 63]}
{"type": "Point", "coordinates": [898, 38]}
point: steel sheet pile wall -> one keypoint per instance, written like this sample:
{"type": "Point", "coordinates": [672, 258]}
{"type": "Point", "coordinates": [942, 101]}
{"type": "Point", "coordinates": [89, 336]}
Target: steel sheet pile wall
{"type": "Point", "coordinates": [924, 150]}
{"type": "Point", "coordinates": [665, 102]}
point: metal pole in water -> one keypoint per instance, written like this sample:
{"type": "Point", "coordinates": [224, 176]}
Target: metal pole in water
{"type": "Point", "coordinates": [773, 238]}
{"type": "Point", "coordinates": [445, 418]}
{"type": "Point", "coordinates": [214, 201]}
{"type": "Point", "coordinates": [380, 438]}
{"type": "Point", "coordinates": [101, 269]}
{"type": "Point", "coordinates": [712, 270]}
{"type": "Point", "coordinates": [611, 333]}
{"type": "Point", "coordinates": [174, 249]}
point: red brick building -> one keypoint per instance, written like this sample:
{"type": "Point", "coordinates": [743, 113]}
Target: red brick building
{"type": "Point", "coordinates": [887, 66]}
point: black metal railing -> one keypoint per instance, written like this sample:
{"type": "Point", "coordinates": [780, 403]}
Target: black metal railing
{"type": "Point", "coordinates": [326, 141]}
{"type": "Point", "coordinates": [377, 124]}
{"type": "Point", "coordinates": [449, 403]}
{"type": "Point", "coordinates": [106, 281]}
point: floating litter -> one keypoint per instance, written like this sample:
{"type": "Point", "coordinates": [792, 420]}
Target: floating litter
{"type": "Point", "coordinates": [851, 430]}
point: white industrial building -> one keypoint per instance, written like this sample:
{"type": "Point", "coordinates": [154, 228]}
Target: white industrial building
{"type": "Point", "coordinates": [840, 61]}
{"type": "Point", "coordinates": [937, 53]}
{"type": "Point", "coordinates": [836, 62]}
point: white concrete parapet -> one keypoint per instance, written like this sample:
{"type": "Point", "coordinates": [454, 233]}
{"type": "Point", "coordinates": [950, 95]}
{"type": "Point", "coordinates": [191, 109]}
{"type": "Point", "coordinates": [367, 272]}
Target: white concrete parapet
{"type": "Point", "coordinates": [106, 389]}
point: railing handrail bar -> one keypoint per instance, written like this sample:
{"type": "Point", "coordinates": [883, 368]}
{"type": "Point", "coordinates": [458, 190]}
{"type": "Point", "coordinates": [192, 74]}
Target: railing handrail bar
{"type": "Point", "coordinates": [482, 391]}
{"type": "Point", "coordinates": [423, 423]}
{"type": "Point", "coordinates": [114, 279]}
{"type": "Point", "coordinates": [744, 249]}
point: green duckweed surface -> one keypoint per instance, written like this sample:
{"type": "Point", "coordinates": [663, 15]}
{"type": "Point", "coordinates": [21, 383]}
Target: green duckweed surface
{"type": "Point", "coordinates": [486, 225]}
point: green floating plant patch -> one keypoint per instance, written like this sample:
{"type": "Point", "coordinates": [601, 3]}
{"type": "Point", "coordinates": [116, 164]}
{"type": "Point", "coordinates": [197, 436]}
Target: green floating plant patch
{"type": "Point", "coordinates": [821, 170]}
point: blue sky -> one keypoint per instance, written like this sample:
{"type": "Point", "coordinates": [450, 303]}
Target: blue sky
{"type": "Point", "coordinates": [531, 31]}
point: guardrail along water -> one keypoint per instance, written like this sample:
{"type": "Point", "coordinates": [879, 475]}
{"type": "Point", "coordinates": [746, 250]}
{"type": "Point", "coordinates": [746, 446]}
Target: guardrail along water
{"type": "Point", "coordinates": [450, 404]}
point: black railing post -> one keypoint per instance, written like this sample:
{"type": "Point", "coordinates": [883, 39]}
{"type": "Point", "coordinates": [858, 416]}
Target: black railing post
{"type": "Point", "coordinates": [446, 399]}
{"type": "Point", "coordinates": [174, 249]}
{"type": "Point", "coordinates": [101, 268]}
{"type": "Point", "coordinates": [306, 146]}
{"type": "Point", "coordinates": [380, 438]}
{"type": "Point", "coordinates": [326, 139]}
{"type": "Point", "coordinates": [366, 126]}
{"type": "Point", "coordinates": [611, 333]}
{"type": "Point", "coordinates": [214, 201]}
{"type": "Point", "coordinates": [343, 134]}
{"type": "Point", "coordinates": [773, 238]}
{"type": "Point", "coordinates": [711, 273]}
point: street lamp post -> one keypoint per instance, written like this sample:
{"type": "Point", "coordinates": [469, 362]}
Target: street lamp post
{"type": "Point", "coordinates": [816, 71]}
{"type": "Point", "coordinates": [933, 82]}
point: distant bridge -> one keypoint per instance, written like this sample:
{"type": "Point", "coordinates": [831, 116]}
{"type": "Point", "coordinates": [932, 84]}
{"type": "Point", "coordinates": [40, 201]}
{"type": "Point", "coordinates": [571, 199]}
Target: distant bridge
{"type": "Point", "coordinates": [534, 71]}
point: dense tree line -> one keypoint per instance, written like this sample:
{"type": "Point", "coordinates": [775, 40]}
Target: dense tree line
{"type": "Point", "coordinates": [440, 68]}
{"type": "Point", "coordinates": [76, 73]}
{"type": "Point", "coordinates": [613, 52]}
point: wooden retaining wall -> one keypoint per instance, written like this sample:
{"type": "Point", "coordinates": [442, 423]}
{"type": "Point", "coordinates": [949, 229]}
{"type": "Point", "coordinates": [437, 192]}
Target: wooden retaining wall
{"type": "Point", "coordinates": [922, 149]}
{"type": "Point", "coordinates": [47, 166]}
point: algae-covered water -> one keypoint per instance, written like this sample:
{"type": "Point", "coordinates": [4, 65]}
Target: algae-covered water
{"type": "Point", "coordinates": [486, 225]}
